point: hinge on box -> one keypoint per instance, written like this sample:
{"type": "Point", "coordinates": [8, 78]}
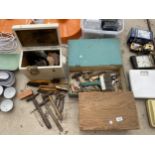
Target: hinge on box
{"type": "Point", "coordinates": [33, 70]}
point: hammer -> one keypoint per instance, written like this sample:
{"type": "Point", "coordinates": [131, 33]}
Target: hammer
{"type": "Point", "coordinates": [100, 82]}
{"type": "Point", "coordinates": [37, 106]}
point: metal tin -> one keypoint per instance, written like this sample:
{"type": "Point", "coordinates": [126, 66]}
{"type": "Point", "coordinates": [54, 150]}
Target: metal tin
{"type": "Point", "coordinates": [6, 105]}
{"type": "Point", "coordinates": [4, 75]}
{"type": "Point", "coordinates": [7, 82]}
{"type": "Point", "coordinates": [9, 92]}
{"type": "Point", "coordinates": [1, 90]}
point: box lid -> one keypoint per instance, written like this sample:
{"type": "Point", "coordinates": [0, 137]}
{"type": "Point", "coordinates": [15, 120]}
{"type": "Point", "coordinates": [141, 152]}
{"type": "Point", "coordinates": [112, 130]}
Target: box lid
{"type": "Point", "coordinates": [13, 60]}
{"type": "Point", "coordinates": [37, 35]}
{"type": "Point", "coordinates": [107, 111]}
{"type": "Point", "coordinates": [94, 52]}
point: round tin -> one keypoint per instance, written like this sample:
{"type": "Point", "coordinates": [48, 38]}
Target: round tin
{"type": "Point", "coordinates": [9, 92]}
{"type": "Point", "coordinates": [1, 90]}
{"type": "Point", "coordinates": [6, 105]}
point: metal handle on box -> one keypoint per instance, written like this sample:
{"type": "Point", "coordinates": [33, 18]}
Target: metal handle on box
{"type": "Point", "coordinates": [33, 70]}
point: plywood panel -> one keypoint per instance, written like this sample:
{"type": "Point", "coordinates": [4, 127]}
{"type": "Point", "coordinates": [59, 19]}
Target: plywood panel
{"type": "Point", "coordinates": [107, 111]}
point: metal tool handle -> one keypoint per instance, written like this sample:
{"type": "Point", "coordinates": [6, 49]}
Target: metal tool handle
{"type": "Point", "coordinates": [54, 118]}
{"type": "Point", "coordinates": [44, 118]}
{"type": "Point", "coordinates": [55, 108]}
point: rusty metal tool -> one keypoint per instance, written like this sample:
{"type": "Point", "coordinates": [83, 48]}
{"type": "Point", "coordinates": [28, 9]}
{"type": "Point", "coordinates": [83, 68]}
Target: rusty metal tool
{"type": "Point", "coordinates": [49, 110]}
{"type": "Point", "coordinates": [59, 115]}
{"type": "Point", "coordinates": [43, 116]}
{"type": "Point", "coordinates": [61, 102]}
{"type": "Point", "coordinates": [41, 104]}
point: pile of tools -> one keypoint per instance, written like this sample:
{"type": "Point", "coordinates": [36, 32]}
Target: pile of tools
{"type": "Point", "coordinates": [7, 91]}
{"type": "Point", "coordinates": [54, 105]}
{"type": "Point", "coordinates": [53, 100]}
{"type": "Point", "coordinates": [42, 58]}
{"type": "Point", "coordinates": [94, 81]}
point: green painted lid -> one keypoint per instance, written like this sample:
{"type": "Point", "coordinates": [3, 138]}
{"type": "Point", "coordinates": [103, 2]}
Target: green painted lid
{"type": "Point", "coordinates": [94, 52]}
{"type": "Point", "coordinates": [9, 62]}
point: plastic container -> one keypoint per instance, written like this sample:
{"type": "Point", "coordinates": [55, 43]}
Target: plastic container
{"type": "Point", "coordinates": [91, 28]}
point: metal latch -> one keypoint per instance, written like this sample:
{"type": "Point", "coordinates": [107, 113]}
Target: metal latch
{"type": "Point", "coordinates": [33, 70]}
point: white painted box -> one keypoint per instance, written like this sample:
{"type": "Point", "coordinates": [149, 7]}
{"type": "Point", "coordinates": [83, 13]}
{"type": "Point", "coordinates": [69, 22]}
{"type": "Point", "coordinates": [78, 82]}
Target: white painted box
{"type": "Point", "coordinates": [41, 38]}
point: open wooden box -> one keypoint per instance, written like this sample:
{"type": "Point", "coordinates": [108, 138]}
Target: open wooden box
{"type": "Point", "coordinates": [95, 55]}
{"type": "Point", "coordinates": [102, 110]}
{"type": "Point", "coordinates": [39, 39]}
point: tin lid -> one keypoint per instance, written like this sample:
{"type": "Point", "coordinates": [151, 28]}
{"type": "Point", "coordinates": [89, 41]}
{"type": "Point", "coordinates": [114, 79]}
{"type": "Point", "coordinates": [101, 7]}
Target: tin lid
{"type": "Point", "coordinates": [6, 105]}
{"type": "Point", "coordinates": [9, 92]}
{"type": "Point", "coordinates": [37, 35]}
{"type": "Point", "coordinates": [1, 90]}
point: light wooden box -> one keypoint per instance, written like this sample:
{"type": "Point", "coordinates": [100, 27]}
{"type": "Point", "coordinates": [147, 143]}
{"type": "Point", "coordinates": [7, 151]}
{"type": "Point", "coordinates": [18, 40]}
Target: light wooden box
{"type": "Point", "coordinates": [40, 37]}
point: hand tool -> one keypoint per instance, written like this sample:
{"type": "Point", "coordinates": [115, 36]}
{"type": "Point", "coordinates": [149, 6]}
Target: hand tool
{"type": "Point", "coordinates": [41, 104]}
{"type": "Point", "coordinates": [100, 83]}
{"type": "Point", "coordinates": [53, 117]}
{"type": "Point", "coordinates": [43, 116]}
{"type": "Point", "coordinates": [61, 104]}
{"type": "Point", "coordinates": [36, 83]}
{"type": "Point", "coordinates": [53, 87]}
{"type": "Point", "coordinates": [59, 115]}
{"type": "Point", "coordinates": [46, 90]}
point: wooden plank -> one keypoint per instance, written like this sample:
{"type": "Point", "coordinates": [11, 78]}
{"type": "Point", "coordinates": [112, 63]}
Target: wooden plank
{"type": "Point", "coordinates": [107, 111]}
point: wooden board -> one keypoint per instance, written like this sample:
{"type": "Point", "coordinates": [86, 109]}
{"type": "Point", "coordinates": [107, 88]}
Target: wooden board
{"type": "Point", "coordinates": [107, 111]}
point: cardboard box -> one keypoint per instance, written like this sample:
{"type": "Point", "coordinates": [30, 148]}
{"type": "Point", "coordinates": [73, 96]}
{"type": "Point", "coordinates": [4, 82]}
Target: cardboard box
{"type": "Point", "coordinates": [41, 38]}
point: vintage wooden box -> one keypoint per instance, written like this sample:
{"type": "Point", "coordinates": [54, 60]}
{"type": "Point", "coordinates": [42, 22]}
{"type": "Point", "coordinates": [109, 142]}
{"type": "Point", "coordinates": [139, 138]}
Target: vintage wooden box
{"type": "Point", "coordinates": [39, 38]}
{"type": "Point", "coordinates": [101, 55]}
{"type": "Point", "coordinates": [95, 55]}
